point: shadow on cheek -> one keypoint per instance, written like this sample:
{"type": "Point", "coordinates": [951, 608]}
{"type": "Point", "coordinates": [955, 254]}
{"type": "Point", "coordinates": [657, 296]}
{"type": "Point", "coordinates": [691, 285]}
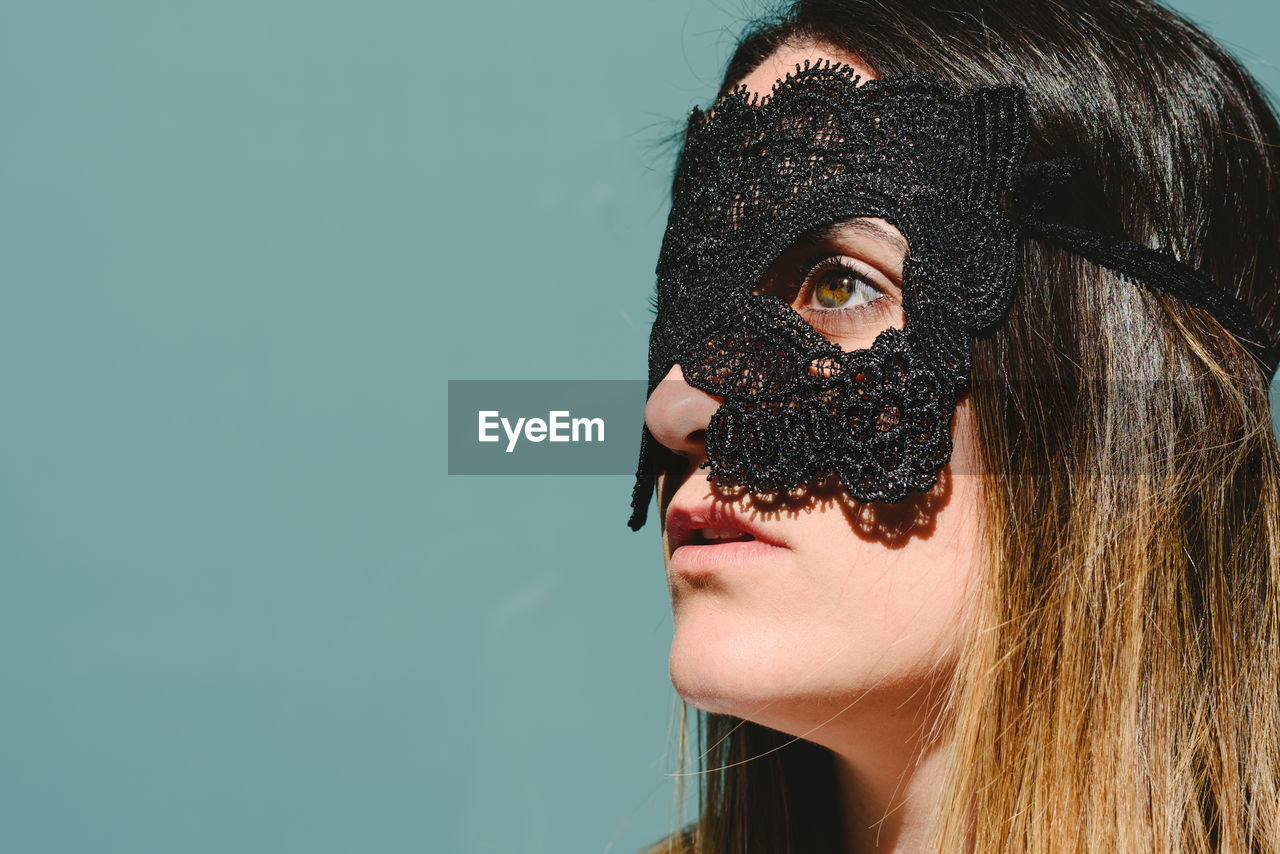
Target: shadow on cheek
{"type": "Point", "coordinates": [892, 526]}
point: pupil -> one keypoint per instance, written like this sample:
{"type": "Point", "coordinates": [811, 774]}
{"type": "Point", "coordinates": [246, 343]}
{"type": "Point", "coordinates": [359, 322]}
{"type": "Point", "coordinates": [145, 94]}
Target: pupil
{"type": "Point", "coordinates": [834, 289]}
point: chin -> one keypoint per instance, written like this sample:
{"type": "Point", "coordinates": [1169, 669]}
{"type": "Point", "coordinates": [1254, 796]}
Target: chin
{"type": "Point", "coordinates": [785, 681]}
{"type": "Point", "coordinates": [754, 693]}
{"type": "Point", "coordinates": [728, 672]}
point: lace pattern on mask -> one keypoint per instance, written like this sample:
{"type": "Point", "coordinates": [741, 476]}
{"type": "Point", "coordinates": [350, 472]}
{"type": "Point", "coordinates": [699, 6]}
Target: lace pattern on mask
{"type": "Point", "coordinates": [934, 160]}
{"type": "Point", "coordinates": [758, 174]}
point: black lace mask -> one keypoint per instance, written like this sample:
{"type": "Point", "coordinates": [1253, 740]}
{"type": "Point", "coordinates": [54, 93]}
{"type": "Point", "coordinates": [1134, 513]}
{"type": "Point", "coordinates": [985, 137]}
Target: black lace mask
{"type": "Point", "coordinates": [937, 162]}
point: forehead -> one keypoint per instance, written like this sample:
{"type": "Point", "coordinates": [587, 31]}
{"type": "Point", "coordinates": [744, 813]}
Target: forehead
{"type": "Point", "coordinates": [757, 174]}
{"type": "Point", "coordinates": [784, 60]}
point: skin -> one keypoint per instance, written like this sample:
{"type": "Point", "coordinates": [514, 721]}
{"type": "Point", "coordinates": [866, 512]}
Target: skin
{"type": "Point", "coordinates": [844, 630]}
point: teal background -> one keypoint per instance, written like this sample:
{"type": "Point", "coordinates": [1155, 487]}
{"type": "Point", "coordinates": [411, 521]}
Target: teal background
{"type": "Point", "coordinates": [244, 246]}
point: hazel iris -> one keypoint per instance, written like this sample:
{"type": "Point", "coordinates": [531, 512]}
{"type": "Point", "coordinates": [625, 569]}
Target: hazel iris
{"type": "Point", "coordinates": [834, 288]}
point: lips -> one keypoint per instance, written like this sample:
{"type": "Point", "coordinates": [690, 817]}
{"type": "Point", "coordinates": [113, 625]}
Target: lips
{"type": "Point", "coordinates": [710, 544]}
{"type": "Point", "coordinates": [712, 525]}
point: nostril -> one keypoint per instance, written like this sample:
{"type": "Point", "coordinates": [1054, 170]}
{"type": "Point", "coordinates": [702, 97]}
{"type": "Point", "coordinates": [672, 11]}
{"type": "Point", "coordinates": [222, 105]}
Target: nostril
{"type": "Point", "coordinates": [677, 415]}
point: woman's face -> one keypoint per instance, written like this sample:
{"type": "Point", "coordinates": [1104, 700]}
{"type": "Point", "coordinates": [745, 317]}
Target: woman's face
{"type": "Point", "coordinates": [819, 617]}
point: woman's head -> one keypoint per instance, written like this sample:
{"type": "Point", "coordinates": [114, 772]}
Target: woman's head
{"type": "Point", "coordinates": [1106, 611]}
{"type": "Point", "coordinates": [834, 620]}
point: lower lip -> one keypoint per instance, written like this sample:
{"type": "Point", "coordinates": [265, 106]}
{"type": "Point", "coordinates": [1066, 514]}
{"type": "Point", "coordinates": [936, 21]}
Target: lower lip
{"type": "Point", "coordinates": [703, 559]}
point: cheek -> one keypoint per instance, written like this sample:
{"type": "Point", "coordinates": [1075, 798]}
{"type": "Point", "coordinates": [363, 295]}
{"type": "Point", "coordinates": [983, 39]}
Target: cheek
{"type": "Point", "coordinates": [846, 618]}
{"type": "Point", "coordinates": [897, 600]}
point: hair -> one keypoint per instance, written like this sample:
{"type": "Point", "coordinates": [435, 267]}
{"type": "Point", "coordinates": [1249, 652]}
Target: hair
{"type": "Point", "coordinates": [1119, 689]}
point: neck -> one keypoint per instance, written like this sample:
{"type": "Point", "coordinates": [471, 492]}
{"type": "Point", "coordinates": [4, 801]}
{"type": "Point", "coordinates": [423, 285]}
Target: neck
{"type": "Point", "coordinates": [890, 797]}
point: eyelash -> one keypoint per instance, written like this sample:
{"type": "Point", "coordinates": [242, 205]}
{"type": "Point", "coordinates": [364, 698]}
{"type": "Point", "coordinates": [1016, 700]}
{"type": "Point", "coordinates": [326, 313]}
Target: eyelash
{"type": "Point", "coordinates": [857, 270]}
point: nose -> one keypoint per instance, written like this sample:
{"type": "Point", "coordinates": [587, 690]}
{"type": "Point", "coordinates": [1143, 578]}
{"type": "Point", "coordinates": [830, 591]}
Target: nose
{"type": "Point", "coordinates": [677, 414]}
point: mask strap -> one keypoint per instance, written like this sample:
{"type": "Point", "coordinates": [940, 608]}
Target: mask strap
{"type": "Point", "coordinates": [646, 479]}
{"type": "Point", "coordinates": [1151, 267]}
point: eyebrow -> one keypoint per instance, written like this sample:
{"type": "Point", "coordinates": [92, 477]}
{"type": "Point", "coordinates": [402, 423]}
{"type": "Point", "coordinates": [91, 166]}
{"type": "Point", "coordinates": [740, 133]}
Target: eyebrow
{"type": "Point", "coordinates": [862, 225]}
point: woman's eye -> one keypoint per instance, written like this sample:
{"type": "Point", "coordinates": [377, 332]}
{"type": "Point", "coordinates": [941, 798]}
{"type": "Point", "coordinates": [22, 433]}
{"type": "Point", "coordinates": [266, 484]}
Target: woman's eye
{"type": "Point", "coordinates": [836, 285]}
{"type": "Point", "coordinates": [845, 298]}
{"type": "Point", "coordinates": [835, 289]}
